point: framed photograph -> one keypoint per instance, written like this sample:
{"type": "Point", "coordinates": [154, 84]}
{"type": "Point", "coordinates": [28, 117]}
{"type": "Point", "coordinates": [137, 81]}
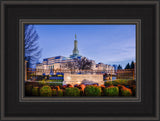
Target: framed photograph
{"type": "Point", "coordinates": [79, 76]}
{"type": "Point", "coordinates": [79, 60]}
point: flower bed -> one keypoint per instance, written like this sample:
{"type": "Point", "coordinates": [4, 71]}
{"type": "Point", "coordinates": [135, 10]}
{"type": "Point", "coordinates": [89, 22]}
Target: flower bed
{"type": "Point", "coordinates": [109, 89]}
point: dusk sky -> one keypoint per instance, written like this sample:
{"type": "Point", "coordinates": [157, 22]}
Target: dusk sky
{"type": "Point", "coordinates": [109, 44]}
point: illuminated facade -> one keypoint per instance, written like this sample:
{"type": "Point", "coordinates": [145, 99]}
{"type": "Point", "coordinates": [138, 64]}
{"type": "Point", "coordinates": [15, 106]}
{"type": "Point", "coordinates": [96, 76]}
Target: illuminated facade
{"type": "Point", "coordinates": [60, 62]}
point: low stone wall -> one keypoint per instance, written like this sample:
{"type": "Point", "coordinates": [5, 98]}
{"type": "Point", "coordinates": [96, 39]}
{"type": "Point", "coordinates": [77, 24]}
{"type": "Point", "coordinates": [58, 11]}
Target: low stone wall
{"type": "Point", "coordinates": [78, 78]}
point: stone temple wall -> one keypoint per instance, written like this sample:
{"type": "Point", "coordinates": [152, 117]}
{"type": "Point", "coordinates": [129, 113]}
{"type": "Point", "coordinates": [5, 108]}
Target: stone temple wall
{"type": "Point", "coordinates": [79, 78]}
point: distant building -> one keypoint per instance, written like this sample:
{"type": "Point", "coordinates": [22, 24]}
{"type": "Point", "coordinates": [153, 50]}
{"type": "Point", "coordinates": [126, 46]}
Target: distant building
{"type": "Point", "coordinates": [115, 67]}
{"type": "Point", "coordinates": [60, 62]}
{"type": "Point", "coordinates": [105, 67]}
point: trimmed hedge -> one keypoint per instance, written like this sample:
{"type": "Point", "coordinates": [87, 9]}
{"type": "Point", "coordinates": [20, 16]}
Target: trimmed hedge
{"type": "Point", "coordinates": [46, 91]}
{"type": "Point", "coordinates": [126, 91]}
{"type": "Point", "coordinates": [54, 92]}
{"type": "Point", "coordinates": [108, 83]}
{"type": "Point", "coordinates": [120, 82]}
{"type": "Point", "coordinates": [92, 90]}
{"type": "Point", "coordinates": [111, 91]}
{"type": "Point", "coordinates": [60, 92]}
{"type": "Point", "coordinates": [55, 84]}
{"type": "Point", "coordinates": [35, 91]}
{"type": "Point", "coordinates": [72, 91]}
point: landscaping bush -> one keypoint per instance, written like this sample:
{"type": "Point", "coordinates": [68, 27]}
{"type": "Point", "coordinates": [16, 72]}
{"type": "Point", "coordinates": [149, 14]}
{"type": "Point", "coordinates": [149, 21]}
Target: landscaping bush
{"type": "Point", "coordinates": [64, 87]}
{"type": "Point", "coordinates": [120, 82]}
{"type": "Point", "coordinates": [117, 82]}
{"type": "Point", "coordinates": [60, 92]}
{"type": "Point", "coordinates": [131, 82]}
{"type": "Point", "coordinates": [69, 85]}
{"type": "Point", "coordinates": [72, 91]}
{"type": "Point", "coordinates": [46, 91]}
{"type": "Point", "coordinates": [108, 83]}
{"type": "Point", "coordinates": [81, 92]}
{"type": "Point", "coordinates": [111, 91]}
{"type": "Point", "coordinates": [57, 87]}
{"type": "Point", "coordinates": [92, 90]}
{"type": "Point", "coordinates": [43, 82]}
{"type": "Point", "coordinates": [54, 92]}
{"type": "Point", "coordinates": [82, 86]}
{"type": "Point", "coordinates": [28, 90]}
{"type": "Point", "coordinates": [54, 80]}
{"type": "Point", "coordinates": [126, 91]}
{"type": "Point", "coordinates": [35, 91]}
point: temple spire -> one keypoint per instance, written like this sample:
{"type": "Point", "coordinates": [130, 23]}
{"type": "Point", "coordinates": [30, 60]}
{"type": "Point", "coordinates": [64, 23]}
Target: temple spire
{"type": "Point", "coordinates": [75, 36]}
{"type": "Point", "coordinates": [75, 50]}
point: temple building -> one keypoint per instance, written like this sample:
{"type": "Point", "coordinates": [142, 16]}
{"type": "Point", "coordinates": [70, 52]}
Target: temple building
{"type": "Point", "coordinates": [60, 62]}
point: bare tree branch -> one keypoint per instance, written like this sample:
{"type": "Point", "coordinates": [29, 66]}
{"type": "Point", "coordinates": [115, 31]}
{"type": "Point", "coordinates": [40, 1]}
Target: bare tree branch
{"type": "Point", "coordinates": [32, 51]}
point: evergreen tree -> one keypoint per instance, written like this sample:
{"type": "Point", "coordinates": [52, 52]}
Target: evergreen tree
{"type": "Point", "coordinates": [132, 65]}
{"type": "Point", "coordinates": [119, 67]}
{"type": "Point", "coordinates": [128, 66]}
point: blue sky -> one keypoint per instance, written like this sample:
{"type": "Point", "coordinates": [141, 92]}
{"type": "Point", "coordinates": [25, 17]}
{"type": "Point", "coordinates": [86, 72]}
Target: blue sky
{"type": "Point", "coordinates": [110, 44]}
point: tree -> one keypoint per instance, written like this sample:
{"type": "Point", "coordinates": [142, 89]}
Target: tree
{"type": "Point", "coordinates": [32, 51]}
{"type": "Point", "coordinates": [119, 67]}
{"type": "Point", "coordinates": [72, 65]}
{"type": "Point", "coordinates": [80, 64]}
{"type": "Point", "coordinates": [132, 65]}
{"type": "Point", "coordinates": [128, 66]}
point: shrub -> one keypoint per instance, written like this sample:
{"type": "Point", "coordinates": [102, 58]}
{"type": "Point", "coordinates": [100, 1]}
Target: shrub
{"type": "Point", "coordinates": [64, 87]}
{"type": "Point", "coordinates": [108, 83]}
{"type": "Point", "coordinates": [60, 92]}
{"type": "Point", "coordinates": [92, 90]}
{"type": "Point", "coordinates": [69, 85]}
{"type": "Point", "coordinates": [35, 91]}
{"type": "Point", "coordinates": [54, 92]}
{"type": "Point", "coordinates": [95, 85]}
{"type": "Point", "coordinates": [82, 87]}
{"type": "Point", "coordinates": [115, 83]}
{"type": "Point", "coordinates": [46, 91]}
{"type": "Point", "coordinates": [126, 91]}
{"type": "Point", "coordinates": [131, 82]}
{"type": "Point", "coordinates": [43, 82]}
{"type": "Point", "coordinates": [54, 84]}
{"type": "Point", "coordinates": [102, 86]}
{"type": "Point", "coordinates": [111, 91]}
{"type": "Point", "coordinates": [72, 91]}
{"type": "Point", "coordinates": [28, 90]}
{"type": "Point", "coordinates": [120, 82]}
{"type": "Point", "coordinates": [57, 87]}
{"type": "Point", "coordinates": [81, 92]}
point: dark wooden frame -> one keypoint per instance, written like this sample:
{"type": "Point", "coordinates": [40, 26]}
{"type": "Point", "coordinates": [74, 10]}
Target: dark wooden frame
{"type": "Point", "coordinates": [136, 22]}
{"type": "Point", "coordinates": [13, 11]}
